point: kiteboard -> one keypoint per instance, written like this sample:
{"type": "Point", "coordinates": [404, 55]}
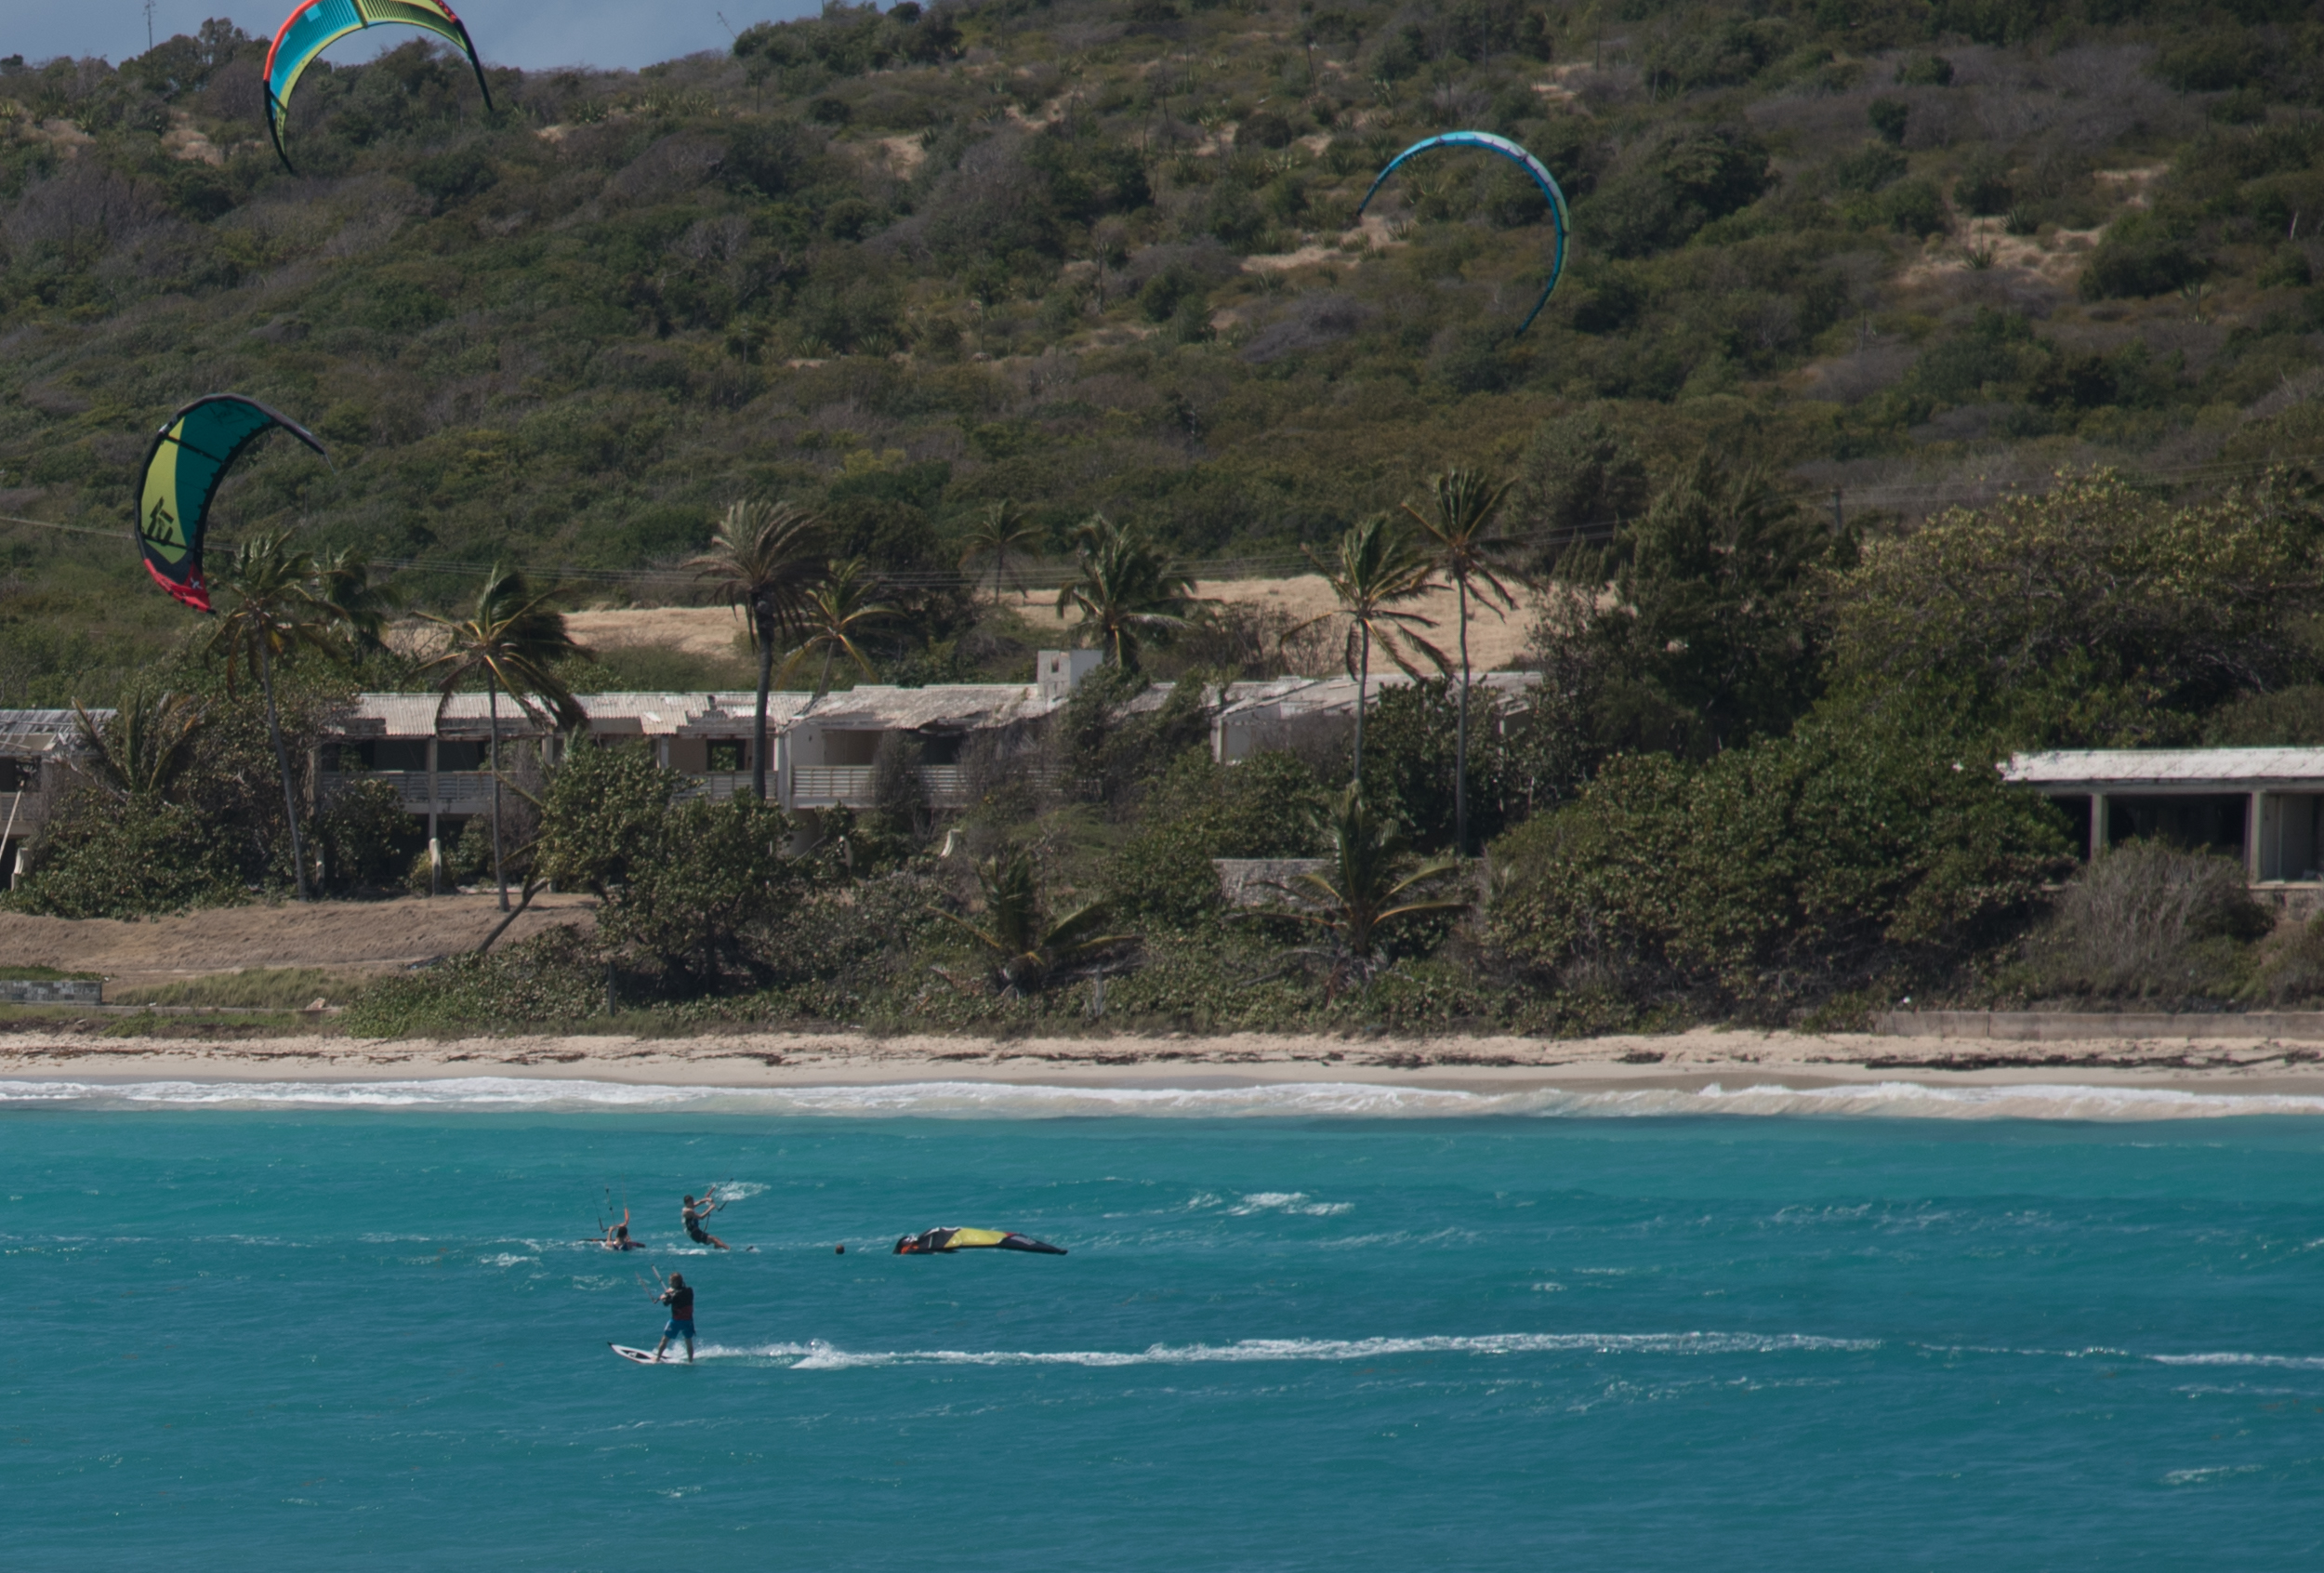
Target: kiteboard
{"type": "Point", "coordinates": [642, 1356]}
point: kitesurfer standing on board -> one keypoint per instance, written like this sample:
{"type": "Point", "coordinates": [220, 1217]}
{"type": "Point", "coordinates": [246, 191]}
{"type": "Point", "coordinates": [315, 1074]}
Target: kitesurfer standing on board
{"type": "Point", "coordinates": [692, 1214]}
{"type": "Point", "coordinates": [680, 1298]}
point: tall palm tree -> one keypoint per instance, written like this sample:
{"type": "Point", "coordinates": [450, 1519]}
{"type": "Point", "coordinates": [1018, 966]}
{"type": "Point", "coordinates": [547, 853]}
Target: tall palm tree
{"type": "Point", "coordinates": [1461, 505]}
{"type": "Point", "coordinates": [765, 559]}
{"type": "Point", "coordinates": [514, 637]}
{"type": "Point", "coordinates": [278, 607]}
{"type": "Point", "coordinates": [997, 536]}
{"type": "Point", "coordinates": [145, 747]}
{"type": "Point", "coordinates": [1125, 590]}
{"type": "Point", "coordinates": [1376, 569]}
{"type": "Point", "coordinates": [835, 613]}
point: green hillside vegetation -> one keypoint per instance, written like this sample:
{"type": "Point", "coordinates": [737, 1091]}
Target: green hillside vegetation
{"type": "Point", "coordinates": [2051, 262]}
{"type": "Point", "coordinates": [900, 265]}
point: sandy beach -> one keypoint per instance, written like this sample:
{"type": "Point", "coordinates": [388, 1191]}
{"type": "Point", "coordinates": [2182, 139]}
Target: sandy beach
{"type": "Point", "coordinates": [1686, 1060]}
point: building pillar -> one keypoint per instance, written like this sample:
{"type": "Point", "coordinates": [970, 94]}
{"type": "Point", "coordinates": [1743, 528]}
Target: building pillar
{"type": "Point", "coordinates": [435, 847]}
{"type": "Point", "coordinates": [2256, 837]}
{"type": "Point", "coordinates": [2099, 839]}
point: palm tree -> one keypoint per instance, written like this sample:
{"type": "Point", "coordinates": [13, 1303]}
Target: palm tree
{"type": "Point", "coordinates": [360, 603]}
{"type": "Point", "coordinates": [513, 639]}
{"type": "Point", "coordinates": [765, 559]}
{"type": "Point", "coordinates": [1022, 949]}
{"type": "Point", "coordinates": [832, 615]}
{"type": "Point", "coordinates": [146, 746]}
{"type": "Point", "coordinates": [1461, 504]}
{"type": "Point", "coordinates": [278, 607]}
{"type": "Point", "coordinates": [1376, 568]}
{"type": "Point", "coordinates": [1368, 884]}
{"type": "Point", "coordinates": [1124, 589]}
{"type": "Point", "coordinates": [999, 534]}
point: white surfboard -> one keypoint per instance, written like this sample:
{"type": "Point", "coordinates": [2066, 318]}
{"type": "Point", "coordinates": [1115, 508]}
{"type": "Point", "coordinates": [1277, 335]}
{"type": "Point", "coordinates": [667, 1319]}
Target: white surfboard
{"type": "Point", "coordinates": [645, 1357]}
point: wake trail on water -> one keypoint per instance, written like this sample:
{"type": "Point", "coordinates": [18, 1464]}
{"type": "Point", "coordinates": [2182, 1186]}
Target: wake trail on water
{"type": "Point", "coordinates": [971, 1100]}
{"type": "Point", "coordinates": [817, 1355]}
{"type": "Point", "coordinates": [820, 1356]}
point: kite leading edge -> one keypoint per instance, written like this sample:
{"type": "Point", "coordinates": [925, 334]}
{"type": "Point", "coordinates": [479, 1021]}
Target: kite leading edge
{"type": "Point", "coordinates": [1559, 221]}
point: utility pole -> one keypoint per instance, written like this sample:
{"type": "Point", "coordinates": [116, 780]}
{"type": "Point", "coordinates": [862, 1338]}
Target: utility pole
{"type": "Point", "coordinates": [1839, 520]}
{"type": "Point", "coordinates": [149, 26]}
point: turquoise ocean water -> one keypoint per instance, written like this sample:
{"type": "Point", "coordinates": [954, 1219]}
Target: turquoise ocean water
{"type": "Point", "coordinates": [1319, 1329]}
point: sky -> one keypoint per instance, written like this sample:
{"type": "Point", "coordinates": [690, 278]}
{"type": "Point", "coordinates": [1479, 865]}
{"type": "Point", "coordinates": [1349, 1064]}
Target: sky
{"type": "Point", "coordinates": [530, 34]}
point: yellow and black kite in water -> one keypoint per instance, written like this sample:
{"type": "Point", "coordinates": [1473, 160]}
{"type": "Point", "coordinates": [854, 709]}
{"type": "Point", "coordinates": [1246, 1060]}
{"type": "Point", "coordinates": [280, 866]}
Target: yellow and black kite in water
{"type": "Point", "coordinates": [934, 1241]}
{"type": "Point", "coordinates": [181, 476]}
{"type": "Point", "coordinates": [318, 24]}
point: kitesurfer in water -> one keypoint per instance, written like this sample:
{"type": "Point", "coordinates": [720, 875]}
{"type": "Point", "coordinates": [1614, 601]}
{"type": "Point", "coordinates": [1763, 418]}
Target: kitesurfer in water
{"type": "Point", "coordinates": [617, 1237]}
{"type": "Point", "coordinates": [933, 1242]}
{"type": "Point", "coordinates": [679, 1297]}
{"type": "Point", "coordinates": [694, 1212]}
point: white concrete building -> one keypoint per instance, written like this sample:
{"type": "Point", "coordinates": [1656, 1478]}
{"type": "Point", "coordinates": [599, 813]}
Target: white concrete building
{"type": "Point", "coordinates": [2265, 806]}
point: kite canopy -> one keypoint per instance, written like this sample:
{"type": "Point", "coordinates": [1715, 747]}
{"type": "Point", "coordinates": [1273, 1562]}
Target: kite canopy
{"type": "Point", "coordinates": [945, 1241]}
{"type": "Point", "coordinates": [179, 477]}
{"type": "Point", "coordinates": [318, 24]}
{"type": "Point", "coordinates": [1517, 155]}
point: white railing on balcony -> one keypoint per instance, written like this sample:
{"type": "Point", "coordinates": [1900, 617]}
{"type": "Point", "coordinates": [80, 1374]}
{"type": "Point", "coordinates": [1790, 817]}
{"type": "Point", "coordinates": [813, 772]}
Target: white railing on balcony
{"type": "Point", "coordinates": [944, 786]}
{"type": "Point", "coordinates": [457, 791]}
{"type": "Point", "coordinates": [831, 786]}
{"type": "Point", "coordinates": [720, 784]}
{"type": "Point", "coordinates": [462, 792]}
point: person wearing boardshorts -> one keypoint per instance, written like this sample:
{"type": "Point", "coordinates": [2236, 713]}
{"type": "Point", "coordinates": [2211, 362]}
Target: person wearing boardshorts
{"type": "Point", "coordinates": [680, 1298]}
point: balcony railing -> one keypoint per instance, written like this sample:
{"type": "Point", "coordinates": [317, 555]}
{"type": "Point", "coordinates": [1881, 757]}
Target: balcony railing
{"type": "Point", "coordinates": [720, 784]}
{"type": "Point", "coordinates": [460, 792]}
{"type": "Point", "coordinates": [457, 791]}
{"type": "Point", "coordinates": [830, 785]}
{"type": "Point", "coordinates": [28, 808]}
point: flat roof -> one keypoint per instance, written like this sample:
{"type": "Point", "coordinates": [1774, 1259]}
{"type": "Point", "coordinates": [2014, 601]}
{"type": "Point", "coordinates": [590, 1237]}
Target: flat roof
{"type": "Point", "coordinates": [2170, 770]}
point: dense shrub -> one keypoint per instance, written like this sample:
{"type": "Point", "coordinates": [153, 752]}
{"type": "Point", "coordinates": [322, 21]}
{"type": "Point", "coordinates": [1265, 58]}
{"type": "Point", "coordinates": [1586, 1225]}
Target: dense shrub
{"type": "Point", "coordinates": [1262, 807]}
{"type": "Point", "coordinates": [2151, 919]}
{"type": "Point", "coordinates": [104, 857]}
{"type": "Point", "coordinates": [2137, 258]}
{"type": "Point", "coordinates": [556, 978]}
{"type": "Point", "coordinates": [1775, 875]}
{"type": "Point", "coordinates": [2095, 615]}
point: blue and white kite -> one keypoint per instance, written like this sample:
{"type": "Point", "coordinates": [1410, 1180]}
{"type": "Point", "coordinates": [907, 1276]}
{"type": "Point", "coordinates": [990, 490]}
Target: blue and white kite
{"type": "Point", "coordinates": [1559, 221]}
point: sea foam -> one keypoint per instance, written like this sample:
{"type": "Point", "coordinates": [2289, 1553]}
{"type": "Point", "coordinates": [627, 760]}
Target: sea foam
{"type": "Point", "coordinates": [1342, 1100]}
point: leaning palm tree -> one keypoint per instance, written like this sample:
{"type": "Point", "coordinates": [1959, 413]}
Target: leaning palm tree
{"type": "Point", "coordinates": [1461, 505]}
{"type": "Point", "coordinates": [359, 602]}
{"type": "Point", "coordinates": [1376, 569]}
{"type": "Point", "coordinates": [999, 534]}
{"type": "Point", "coordinates": [514, 637]}
{"type": "Point", "coordinates": [278, 607]}
{"type": "Point", "coordinates": [1368, 885]}
{"type": "Point", "coordinates": [764, 559]}
{"type": "Point", "coordinates": [1125, 590]}
{"type": "Point", "coordinates": [146, 746]}
{"type": "Point", "coordinates": [1022, 949]}
{"type": "Point", "coordinates": [832, 615]}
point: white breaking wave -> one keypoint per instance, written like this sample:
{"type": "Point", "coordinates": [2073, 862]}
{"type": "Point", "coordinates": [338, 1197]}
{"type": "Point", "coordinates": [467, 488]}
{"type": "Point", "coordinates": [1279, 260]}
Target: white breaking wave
{"type": "Point", "coordinates": [1283, 1100]}
{"type": "Point", "coordinates": [1287, 1201]}
{"type": "Point", "coordinates": [819, 1357]}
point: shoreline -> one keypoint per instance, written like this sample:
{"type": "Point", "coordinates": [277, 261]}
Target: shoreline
{"type": "Point", "coordinates": [1693, 1060]}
